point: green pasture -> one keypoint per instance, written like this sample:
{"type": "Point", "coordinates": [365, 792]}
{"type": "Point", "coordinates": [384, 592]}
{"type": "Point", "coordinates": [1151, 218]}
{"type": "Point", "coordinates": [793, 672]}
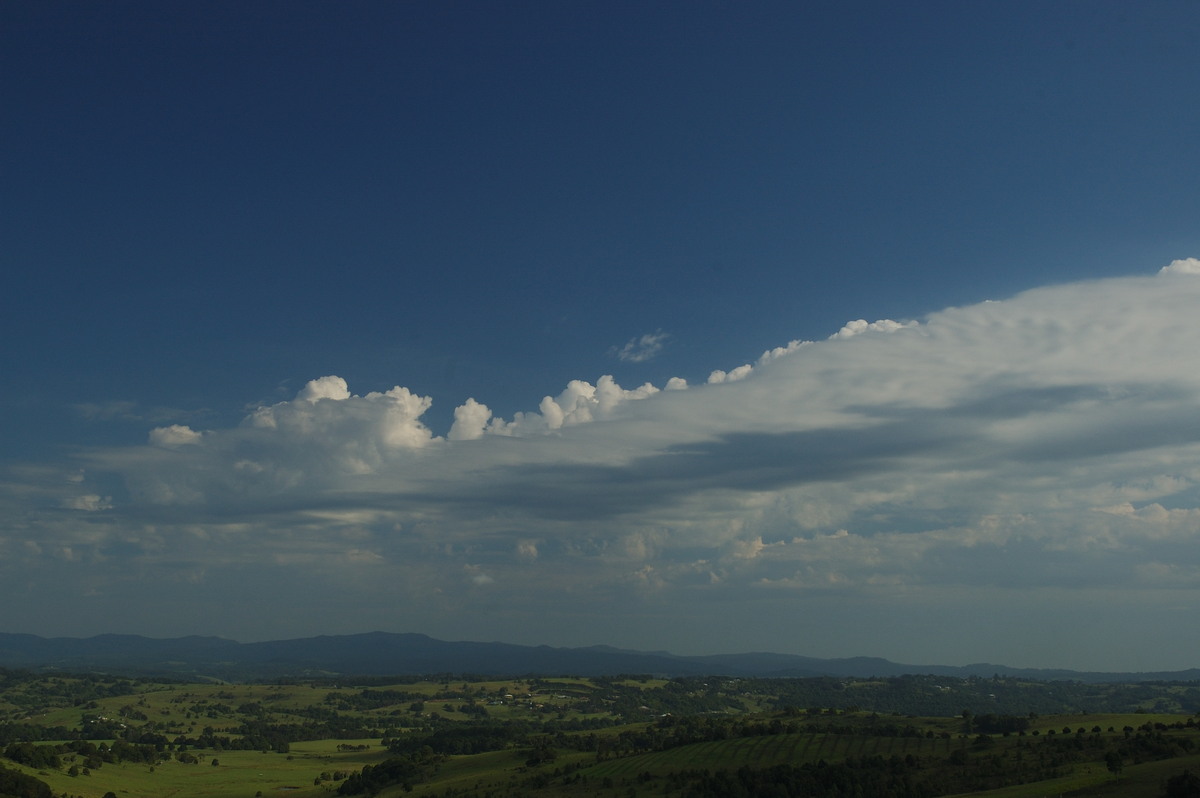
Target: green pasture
{"type": "Point", "coordinates": [483, 772]}
{"type": "Point", "coordinates": [464, 772]}
{"type": "Point", "coordinates": [1104, 720]}
{"type": "Point", "coordinates": [239, 774]}
{"type": "Point", "coordinates": [643, 684]}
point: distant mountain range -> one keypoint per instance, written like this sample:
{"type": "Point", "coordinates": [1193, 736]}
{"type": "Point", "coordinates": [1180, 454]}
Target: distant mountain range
{"type": "Point", "coordinates": [385, 654]}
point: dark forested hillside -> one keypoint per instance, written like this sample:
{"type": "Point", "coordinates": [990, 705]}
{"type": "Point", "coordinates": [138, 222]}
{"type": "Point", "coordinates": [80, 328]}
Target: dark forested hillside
{"type": "Point", "coordinates": [380, 653]}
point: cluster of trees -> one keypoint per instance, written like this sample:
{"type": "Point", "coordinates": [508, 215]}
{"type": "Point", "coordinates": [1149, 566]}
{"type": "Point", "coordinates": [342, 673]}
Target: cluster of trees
{"type": "Point", "coordinates": [17, 785]}
{"type": "Point", "coordinates": [93, 755]}
{"type": "Point", "coordinates": [14, 784]}
{"type": "Point", "coordinates": [1183, 785]}
{"type": "Point", "coordinates": [997, 724]}
{"type": "Point", "coordinates": [461, 738]}
{"type": "Point", "coordinates": [368, 699]}
{"type": "Point", "coordinates": [404, 769]}
{"type": "Point", "coordinates": [35, 691]}
{"type": "Point", "coordinates": [42, 757]}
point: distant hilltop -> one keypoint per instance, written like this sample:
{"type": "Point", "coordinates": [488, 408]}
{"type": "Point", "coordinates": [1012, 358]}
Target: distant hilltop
{"type": "Point", "coordinates": [385, 653]}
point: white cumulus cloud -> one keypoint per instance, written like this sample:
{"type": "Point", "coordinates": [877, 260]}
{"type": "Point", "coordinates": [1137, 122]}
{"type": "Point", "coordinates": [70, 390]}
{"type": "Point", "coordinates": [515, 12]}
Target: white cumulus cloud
{"type": "Point", "coordinates": [174, 435]}
{"type": "Point", "coordinates": [470, 420]}
{"type": "Point", "coordinates": [1182, 266]}
{"type": "Point", "coordinates": [860, 326]}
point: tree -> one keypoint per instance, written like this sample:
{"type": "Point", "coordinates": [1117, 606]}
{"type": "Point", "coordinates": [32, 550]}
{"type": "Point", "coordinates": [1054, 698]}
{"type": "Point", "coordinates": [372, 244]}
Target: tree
{"type": "Point", "coordinates": [1185, 785]}
{"type": "Point", "coordinates": [216, 762]}
{"type": "Point", "coordinates": [542, 751]}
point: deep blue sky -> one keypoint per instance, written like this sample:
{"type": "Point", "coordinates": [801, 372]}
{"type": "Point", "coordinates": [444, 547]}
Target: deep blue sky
{"type": "Point", "coordinates": [205, 206]}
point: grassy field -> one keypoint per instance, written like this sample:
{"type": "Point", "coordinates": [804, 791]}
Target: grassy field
{"type": "Point", "coordinates": [239, 774]}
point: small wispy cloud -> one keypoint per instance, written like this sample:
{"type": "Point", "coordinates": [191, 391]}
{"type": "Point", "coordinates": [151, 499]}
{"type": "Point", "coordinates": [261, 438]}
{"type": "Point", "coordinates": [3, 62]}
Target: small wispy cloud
{"type": "Point", "coordinates": [126, 410]}
{"type": "Point", "coordinates": [643, 348]}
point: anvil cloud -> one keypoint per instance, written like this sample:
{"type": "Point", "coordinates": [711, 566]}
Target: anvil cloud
{"type": "Point", "coordinates": [1040, 447]}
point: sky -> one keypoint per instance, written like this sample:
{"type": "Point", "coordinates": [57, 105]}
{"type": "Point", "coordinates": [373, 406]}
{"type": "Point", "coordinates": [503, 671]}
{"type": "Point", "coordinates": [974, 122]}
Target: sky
{"type": "Point", "coordinates": [828, 328]}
